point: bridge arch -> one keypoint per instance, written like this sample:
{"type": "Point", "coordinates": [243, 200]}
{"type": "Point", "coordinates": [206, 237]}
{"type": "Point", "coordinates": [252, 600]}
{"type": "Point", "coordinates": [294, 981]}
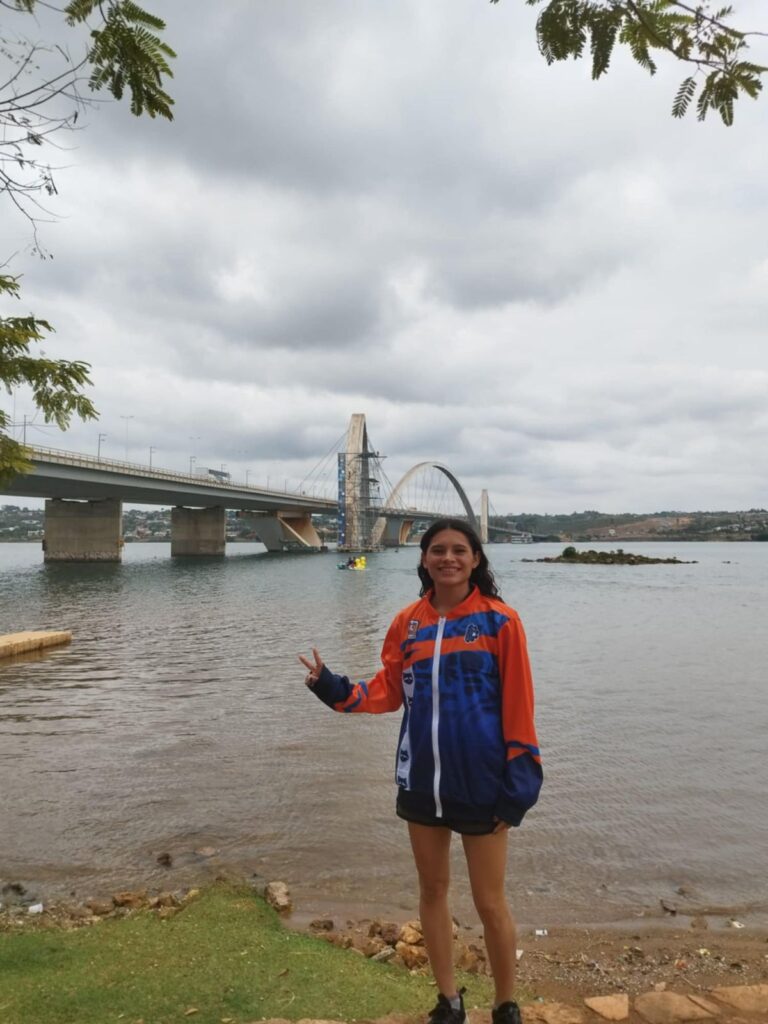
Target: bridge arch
{"type": "Point", "coordinates": [394, 496]}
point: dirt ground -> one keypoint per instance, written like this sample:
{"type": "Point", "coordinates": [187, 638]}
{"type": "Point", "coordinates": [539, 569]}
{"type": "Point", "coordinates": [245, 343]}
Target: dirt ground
{"type": "Point", "coordinates": [571, 963]}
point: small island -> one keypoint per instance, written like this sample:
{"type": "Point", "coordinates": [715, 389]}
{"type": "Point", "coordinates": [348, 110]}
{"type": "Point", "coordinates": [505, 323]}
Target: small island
{"type": "Point", "coordinates": [619, 557]}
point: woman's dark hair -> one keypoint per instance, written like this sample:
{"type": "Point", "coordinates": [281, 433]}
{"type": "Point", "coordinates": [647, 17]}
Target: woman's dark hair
{"type": "Point", "coordinates": [481, 576]}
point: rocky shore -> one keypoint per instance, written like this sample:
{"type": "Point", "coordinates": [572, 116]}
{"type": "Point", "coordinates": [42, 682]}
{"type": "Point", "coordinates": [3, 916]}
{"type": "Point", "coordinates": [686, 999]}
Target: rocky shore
{"type": "Point", "coordinates": [572, 975]}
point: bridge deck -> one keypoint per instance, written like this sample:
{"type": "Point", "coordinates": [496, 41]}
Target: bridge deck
{"type": "Point", "coordinates": [61, 474]}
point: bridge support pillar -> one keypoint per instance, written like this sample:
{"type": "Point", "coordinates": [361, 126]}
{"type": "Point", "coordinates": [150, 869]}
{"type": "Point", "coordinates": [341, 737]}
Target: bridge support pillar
{"type": "Point", "coordinates": [198, 531]}
{"type": "Point", "coordinates": [395, 533]}
{"type": "Point", "coordinates": [83, 531]}
{"type": "Point", "coordinates": [285, 531]}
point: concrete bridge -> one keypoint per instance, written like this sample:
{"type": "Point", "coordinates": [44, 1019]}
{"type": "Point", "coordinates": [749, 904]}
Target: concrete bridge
{"type": "Point", "coordinates": [84, 496]}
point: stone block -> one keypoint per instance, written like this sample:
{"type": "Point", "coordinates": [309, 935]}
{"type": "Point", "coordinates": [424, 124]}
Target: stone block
{"type": "Point", "coordinates": [552, 1013]}
{"type": "Point", "coordinates": [669, 1008]}
{"type": "Point", "coordinates": [615, 1007]}
{"type": "Point", "coordinates": [749, 998]}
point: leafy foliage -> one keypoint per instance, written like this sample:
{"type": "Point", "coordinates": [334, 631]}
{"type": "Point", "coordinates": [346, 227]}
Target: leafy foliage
{"type": "Point", "coordinates": [698, 33]}
{"type": "Point", "coordinates": [39, 97]}
{"type": "Point", "coordinates": [127, 52]}
{"type": "Point", "coordinates": [56, 383]}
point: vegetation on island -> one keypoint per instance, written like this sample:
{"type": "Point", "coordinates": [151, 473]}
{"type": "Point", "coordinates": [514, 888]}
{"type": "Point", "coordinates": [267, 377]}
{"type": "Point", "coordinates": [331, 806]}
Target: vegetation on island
{"type": "Point", "coordinates": [619, 557]}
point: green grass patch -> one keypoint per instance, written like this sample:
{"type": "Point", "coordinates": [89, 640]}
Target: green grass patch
{"type": "Point", "coordinates": [226, 954]}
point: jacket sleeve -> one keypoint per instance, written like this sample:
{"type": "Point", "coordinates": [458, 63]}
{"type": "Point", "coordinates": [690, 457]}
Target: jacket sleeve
{"type": "Point", "coordinates": [382, 693]}
{"type": "Point", "coordinates": [523, 773]}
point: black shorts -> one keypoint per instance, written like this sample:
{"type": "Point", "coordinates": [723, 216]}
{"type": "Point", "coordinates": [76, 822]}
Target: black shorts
{"type": "Point", "coordinates": [419, 809]}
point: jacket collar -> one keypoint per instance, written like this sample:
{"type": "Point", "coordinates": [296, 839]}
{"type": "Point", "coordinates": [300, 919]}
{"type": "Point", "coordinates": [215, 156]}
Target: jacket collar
{"type": "Point", "coordinates": [464, 608]}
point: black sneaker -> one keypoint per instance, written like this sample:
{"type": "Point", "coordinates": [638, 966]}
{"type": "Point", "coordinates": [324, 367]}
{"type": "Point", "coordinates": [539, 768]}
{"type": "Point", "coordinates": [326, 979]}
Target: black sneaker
{"type": "Point", "coordinates": [506, 1013]}
{"type": "Point", "coordinates": [444, 1013]}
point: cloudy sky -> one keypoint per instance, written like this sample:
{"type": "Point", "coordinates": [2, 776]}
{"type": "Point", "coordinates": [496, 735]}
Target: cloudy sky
{"type": "Point", "coordinates": [395, 207]}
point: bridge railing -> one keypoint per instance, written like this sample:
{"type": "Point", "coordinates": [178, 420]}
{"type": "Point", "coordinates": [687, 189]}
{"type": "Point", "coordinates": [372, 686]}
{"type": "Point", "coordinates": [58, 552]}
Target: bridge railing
{"type": "Point", "coordinates": [65, 457]}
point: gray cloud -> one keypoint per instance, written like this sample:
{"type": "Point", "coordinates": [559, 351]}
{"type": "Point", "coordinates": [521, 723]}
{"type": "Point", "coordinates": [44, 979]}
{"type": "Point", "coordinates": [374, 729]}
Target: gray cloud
{"type": "Point", "coordinates": [546, 283]}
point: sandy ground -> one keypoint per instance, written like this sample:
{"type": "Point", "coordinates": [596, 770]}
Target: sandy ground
{"type": "Point", "coordinates": [584, 962]}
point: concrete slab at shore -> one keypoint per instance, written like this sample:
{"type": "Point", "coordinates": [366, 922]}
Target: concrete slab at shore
{"type": "Point", "coordinates": [21, 643]}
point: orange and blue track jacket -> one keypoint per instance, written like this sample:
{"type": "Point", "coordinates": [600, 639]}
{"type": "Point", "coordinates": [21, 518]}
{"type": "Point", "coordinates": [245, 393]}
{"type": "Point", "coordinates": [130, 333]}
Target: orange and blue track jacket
{"type": "Point", "coordinates": [467, 738]}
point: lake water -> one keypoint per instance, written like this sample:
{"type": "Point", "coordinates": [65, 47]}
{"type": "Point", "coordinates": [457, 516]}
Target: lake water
{"type": "Point", "coordinates": [178, 719]}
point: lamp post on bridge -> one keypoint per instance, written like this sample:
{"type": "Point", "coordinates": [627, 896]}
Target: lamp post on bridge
{"type": "Point", "coordinates": [192, 457]}
{"type": "Point", "coordinates": [102, 437]}
{"type": "Point", "coordinates": [126, 418]}
{"type": "Point", "coordinates": [151, 453]}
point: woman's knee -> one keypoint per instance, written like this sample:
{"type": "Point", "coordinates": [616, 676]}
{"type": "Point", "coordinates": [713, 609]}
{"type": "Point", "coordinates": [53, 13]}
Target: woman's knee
{"type": "Point", "coordinates": [493, 910]}
{"type": "Point", "coordinates": [433, 889]}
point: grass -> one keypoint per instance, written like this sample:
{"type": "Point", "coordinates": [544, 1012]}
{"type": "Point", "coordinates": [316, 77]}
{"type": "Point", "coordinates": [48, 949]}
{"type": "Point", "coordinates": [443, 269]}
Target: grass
{"type": "Point", "coordinates": [226, 956]}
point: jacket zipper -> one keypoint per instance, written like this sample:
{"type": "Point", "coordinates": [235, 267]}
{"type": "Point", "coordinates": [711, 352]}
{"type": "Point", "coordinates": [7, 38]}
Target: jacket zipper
{"type": "Point", "coordinates": [436, 713]}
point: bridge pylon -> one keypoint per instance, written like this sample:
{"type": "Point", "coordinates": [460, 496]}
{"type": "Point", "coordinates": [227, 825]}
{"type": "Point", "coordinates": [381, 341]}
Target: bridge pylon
{"type": "Point", "coordinates": [484, 516]}
{"type": "Point", "coordinates": [359, 488]}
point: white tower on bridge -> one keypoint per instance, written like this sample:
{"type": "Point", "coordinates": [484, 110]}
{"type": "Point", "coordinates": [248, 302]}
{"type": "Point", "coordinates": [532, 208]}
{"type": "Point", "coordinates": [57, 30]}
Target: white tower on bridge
{"type": "Point", "coordinates": [359, 488]}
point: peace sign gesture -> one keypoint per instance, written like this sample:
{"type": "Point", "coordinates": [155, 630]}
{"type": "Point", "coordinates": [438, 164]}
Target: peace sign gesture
{"type": "Point", "coordinates": [314, 669]}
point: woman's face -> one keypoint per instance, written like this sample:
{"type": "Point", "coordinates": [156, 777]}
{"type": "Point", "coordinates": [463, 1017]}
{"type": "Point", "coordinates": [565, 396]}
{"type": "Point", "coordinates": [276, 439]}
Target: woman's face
{"type": "Point", "coordinates": [449, 559]}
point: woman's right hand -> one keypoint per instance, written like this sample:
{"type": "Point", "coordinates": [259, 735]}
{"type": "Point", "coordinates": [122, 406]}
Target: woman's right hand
{"type": "Point", "coordinates": [314, 668]}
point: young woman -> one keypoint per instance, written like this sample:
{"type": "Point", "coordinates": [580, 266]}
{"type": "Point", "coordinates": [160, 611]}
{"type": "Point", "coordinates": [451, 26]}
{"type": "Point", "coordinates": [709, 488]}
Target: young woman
{"type": "Point", "coordinates": [467, 757]}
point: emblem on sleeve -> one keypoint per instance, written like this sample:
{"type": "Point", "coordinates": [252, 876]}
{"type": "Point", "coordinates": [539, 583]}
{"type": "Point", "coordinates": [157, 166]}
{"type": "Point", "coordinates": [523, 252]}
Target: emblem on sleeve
{"type": "Point", "coordinates": [413, 628]}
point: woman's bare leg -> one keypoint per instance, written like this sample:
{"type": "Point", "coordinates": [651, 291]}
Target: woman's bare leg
{"type": "Point", "coordinates": [431, 851]}
{"type": "Point", "coordinates": [486, 863]}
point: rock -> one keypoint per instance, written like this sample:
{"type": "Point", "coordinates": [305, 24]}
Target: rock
{"type": "Point", "coordinates": [277, 895]}
{"type": "Point", "coordinates": [311, 1020]}
{"type": "Point", "coordinates": [132, 900]}
{"type": "Point", "coordinates": [610, 1007]}
{"type": "Point", "coordinates": [410, 936]}
{"type": "Point", "coordinates": [163, 899]}
{"type": "Point", "coordinates": [76, 913]}
{"type": "Point", "coordinates": [412, 955]}
{"type": "Point", "coordinates": [374, 945]}
{"type": "Point", "coordinates": [12, 889]}
{"type": "Point", "coordinates": [165, 860]}
{"type": "Point", "coordinates": [100, 907]}
{"type": "Point", "coordinates": [470, 959]}
{"type": "Point", "coordinates": [387, 930]}
{"type": "Point", "coordinates": [704, 1003]}
{"type": "Point", "coordinates": [750, 998]}
{"type": "Point", "coordinates": [669, 1008]}
{"type": "Point", "coordinates": [206, 851]}
{"type": "Point", "coordinates": [321, 924]}
{"type": "Point", "coordinates": [383, 955]}
{"type": "Point", "coordinates": [552, 1013]}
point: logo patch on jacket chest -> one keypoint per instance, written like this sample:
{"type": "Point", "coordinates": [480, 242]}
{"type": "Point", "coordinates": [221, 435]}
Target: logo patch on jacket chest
{"type": "Point", "coordinates": [413, 628]}
{"type": "Point", "coordinates": [471, 634]}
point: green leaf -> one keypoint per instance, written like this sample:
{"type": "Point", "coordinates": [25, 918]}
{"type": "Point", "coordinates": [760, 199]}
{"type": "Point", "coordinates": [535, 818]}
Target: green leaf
{"type": "Point", "coordinates": [684, 96]}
